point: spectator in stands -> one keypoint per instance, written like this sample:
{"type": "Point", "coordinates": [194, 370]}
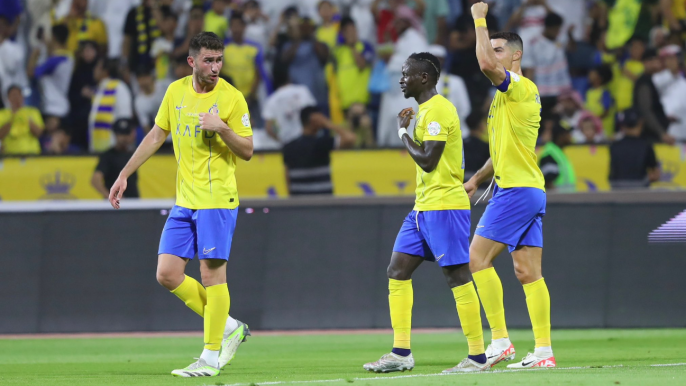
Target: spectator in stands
{"type": "Point", "coordinates": [452, 87]}
{"type": "Point", "coordinates": [113, 14]}
{"type": "Point", "coordinates": [163, 47]}
{"type": "Point", "coordinates": [353, 62]}
{"type": "Point", "coordinates": [54, 75]}
{"type": "Point", "coordinates": [256, 23]}
{"type": "Point", "coordinates": [140, 31]}
{"type": "Point", "coordinates": [112, 101]}
{"type": "Point", "coordinates": [435, 15]}
{"type": "Point", "coordinates": [196, 24]}
{"type": "Point", "coordinates": [308, 157]}
{"type": "Point", "coordinates": [599, 100]}
{"type": "Point", "coordinates": [11, 10]}
{"type": "Point", "coordinates": [647, 101]}
{"type": "Point", "coordinates": [633, 163]}
{"type": "Point", "coordinates": [546, 64]}
{"type": "Point", "coordinates": [529, 20]}
{"type": "Point", "coordinates": [306, 58]}
{"type": "Point", "coordinates": [81, 91]}
{"type": "Point", "coordinates": [215, 19]}
{"type": "Point", "coordinates": [588, 130]}
{"type": "Point", "coordinates": [112, 161]}
{"type": "Point", "coordinates": [557, 171]}
{"type": "Point", "coordinates": [149, 99]}
{"type": "Point", "coordinates": [671, 85]}
{"type": "Point", "coordinates": [327, 31]}
{"type": "Point", "coordinates": [83, 26]}
{"type": "Point", "coordinates": [361, 124]}
{"type": "Point", "coordinates": [181, 67]}
{"type": "Point", "coordinates": [569, 108]}
{"type": "Point", "coordinates": [11, 60]}
{"type": "Point", "coordinates": [627, 73]}
{"type": "Point", "coordinates": [281, 111]}
{"type": "Point", "coordinates": [20, 126]}
{"type": "Point", "coordinates": [476, 151]}
{"type": "Point", "coordinates": [243, 60]}
{"type": "Point", "coordinates": [462, 58]}
{"type": "Point", "coordinates": [409, 40]}
{"type": "Point", "coordinates": [384, 14]}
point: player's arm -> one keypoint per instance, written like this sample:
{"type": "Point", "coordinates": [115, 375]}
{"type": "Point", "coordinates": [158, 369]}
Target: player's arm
{"type": "Point", "coordinates": [428, 154]}
{"type": "Point", "coordinates": [484, 174]}
{"type": "Point", "coordinates": [484, 51]}
{"type": "Point", "coordinates": [150, 144]}
{"type": "Point", "coordinates": [242, 147]}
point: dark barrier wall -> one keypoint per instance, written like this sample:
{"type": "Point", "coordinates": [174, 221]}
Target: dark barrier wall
{"type": "Point", "coordinates": [324, 266]}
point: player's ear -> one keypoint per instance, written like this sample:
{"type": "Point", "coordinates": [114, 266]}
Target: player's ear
{"type": "Point", "coordinates": [517, 56]}
{"type": "Point", "coordinates": [191, 61]}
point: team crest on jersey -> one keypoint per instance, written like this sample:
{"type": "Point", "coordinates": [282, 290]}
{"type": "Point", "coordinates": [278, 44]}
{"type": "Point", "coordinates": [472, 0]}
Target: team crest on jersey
{"type": "Point", "coordinates": [434, 128]}
{"type": "Point", "coordinates": [246, 120]}
{"type": "Point", "coordinates": [214, 109]}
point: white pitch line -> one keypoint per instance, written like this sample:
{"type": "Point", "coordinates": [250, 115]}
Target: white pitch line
{"type": "Point", "coordinates": [442, 375]}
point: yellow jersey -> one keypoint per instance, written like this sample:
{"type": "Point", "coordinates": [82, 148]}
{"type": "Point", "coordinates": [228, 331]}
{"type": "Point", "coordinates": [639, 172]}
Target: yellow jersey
{"type": "Point", "coordinates": [441, 189]}
{"type": "Point", "coordinates": [513, 122]}
{"type": "Point", "coordinates": [20, 140]}
{"type": "Point", "coordinates": [241, 61]}
{"type": "Point", "coordinates": [205, 165]}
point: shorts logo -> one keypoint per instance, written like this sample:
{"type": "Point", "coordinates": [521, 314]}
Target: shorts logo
{"type": "Point", "coordinates": [246, 120]}
{"type": "Point", "coordinates": [434, 128]}
{"type": "Point", "coordinates": [439, 257]}
{"type": "Point", "coordinates": [480, 226]}
{"type": "Point", "coordinates": [206, 251]}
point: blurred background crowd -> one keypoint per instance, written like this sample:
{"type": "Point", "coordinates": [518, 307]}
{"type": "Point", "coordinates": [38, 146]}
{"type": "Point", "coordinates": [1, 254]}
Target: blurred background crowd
{"type": "Point", "coordinates": [87, 76]}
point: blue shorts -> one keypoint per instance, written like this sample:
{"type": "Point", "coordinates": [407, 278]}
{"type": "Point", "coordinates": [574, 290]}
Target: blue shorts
{"type": "Point", "coordinates": [205, 232]}
{"type": "Point", "coordinates": [514, 216]}
{"type": "Point", "coordinates": [436, 235]}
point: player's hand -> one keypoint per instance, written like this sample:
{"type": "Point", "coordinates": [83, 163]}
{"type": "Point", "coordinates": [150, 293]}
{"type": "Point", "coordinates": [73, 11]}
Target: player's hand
{"type": "Point", "coordinates": [404, 117]}
{"type": "Point", "coordinates": [470, 188]}
{"type": "Point", "coordinates": [211, 122]}
{"type": "Point", "coordinates": [479, 10]}
{"type": "Point", "coordinates": [117, 192]}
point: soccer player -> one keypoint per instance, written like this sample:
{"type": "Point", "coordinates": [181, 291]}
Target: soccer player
{"type": "Point", "coordinates": [513, 217]}
{"type": "Point", "coordinates": [210, 127]}
{"type": "Point", "coordinates": [437, 229]}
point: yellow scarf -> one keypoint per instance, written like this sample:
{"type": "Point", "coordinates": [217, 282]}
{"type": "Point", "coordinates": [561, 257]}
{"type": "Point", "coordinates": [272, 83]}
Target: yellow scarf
{"type": "Point", "coordinates": [144, 43]}
{"type": "Point", "coordinates": [101, 133]}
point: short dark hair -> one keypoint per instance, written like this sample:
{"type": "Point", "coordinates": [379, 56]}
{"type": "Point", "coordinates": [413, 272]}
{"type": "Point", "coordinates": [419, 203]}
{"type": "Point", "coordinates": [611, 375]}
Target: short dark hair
{"type": "Point", "coordinates": [168, 13]}
{"type": "Point", "coordinates": [552, 20]}
{"type": "Point", "coordinates": [605, 73]}
{"type": "Point", "coordinates": [236, 15]}
{"type": "Point", "coordinates": [306, 113]}
{"type": "Point", "coordinates": [428, 62]}
{"type": "Point", "coordinates": [346, 21]}
{"type": "Point", "coordinates": [12, 87]}
{"type": "Point", "coordinates": [60, 32]}
{"type": "Point", "coordinates": [144, 70]}
{"type": "Point", "coordinates": [474, 120]}
{"type": "Point", "coordinates": [206, 40]}
{"type": "Point", "coordinates": [111, 66]}
{"type": "Point", "coordinates": [511, 38]}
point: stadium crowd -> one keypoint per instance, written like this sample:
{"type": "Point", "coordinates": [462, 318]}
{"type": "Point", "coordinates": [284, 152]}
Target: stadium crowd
{"type": "Point", "coordinates": [608, 71]}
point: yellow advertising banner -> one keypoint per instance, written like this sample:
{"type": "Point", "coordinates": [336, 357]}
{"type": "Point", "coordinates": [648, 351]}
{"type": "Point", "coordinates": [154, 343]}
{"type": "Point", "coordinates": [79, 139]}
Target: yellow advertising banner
{"type": "Point", "coordinates": [354, 173]}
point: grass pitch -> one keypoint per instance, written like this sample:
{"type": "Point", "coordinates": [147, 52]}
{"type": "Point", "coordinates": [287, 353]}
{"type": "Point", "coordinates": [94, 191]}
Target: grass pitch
{"type": "Point", "coordinates": [584, 357]}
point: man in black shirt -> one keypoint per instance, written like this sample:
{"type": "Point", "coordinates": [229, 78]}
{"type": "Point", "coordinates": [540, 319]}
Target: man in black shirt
{"type": "Point", "coordinates": [476, 151]}
{"type": "Point", "coordinates": [647, 101]}
{"type": "Point", "coordinates": [140, 31]}
{"type": "Point", "coordinates": [307, 157]}
{"type": "Point", "coordinates": [632, 159]}
{"type": "Point", "coordinates": [111, 162]}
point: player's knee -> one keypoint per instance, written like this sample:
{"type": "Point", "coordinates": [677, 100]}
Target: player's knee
{"type": "Point", "coordinates": [396, 273]}
{"type": "Point", "coordinates": [167, 279]}
{"type": "Point", "coordinates": [524, 274]}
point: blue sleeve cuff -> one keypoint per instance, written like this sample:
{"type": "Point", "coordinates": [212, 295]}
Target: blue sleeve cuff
{"type": "Point", "coordinates": [506, 83]}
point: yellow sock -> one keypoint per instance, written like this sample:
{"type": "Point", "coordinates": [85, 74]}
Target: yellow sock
{"type": "Point", "coordinates": [216, 312]}
{"type": "Point", "coordinates": [193, 294]}
{"type": "Point", "coordinates": [491, 293]}
{"type": "Point", "coordinates": [400, 298]}
{"type": "Point", "coordinates": [470, 317]}
{"type": "Point", "coordinates": [538, 302]}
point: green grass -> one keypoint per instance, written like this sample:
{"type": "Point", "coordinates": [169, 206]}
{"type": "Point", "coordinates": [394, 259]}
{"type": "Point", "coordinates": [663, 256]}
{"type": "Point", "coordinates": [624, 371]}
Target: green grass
{"type": "Point", "coordinates": [148, 361]}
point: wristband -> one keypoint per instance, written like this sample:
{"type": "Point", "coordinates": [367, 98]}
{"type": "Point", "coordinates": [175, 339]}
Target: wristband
{"type": "Point", "coordinates": [402, 131]}
{"type": "Point", "coordinates": [481, 22]}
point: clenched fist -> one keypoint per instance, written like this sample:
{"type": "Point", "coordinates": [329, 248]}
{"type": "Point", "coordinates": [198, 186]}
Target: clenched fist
{"type": "Point", "coordinates": [479, 10]}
